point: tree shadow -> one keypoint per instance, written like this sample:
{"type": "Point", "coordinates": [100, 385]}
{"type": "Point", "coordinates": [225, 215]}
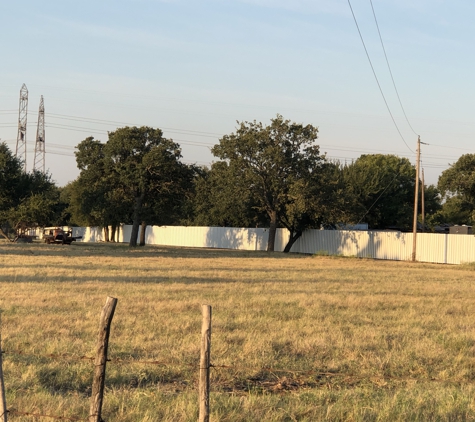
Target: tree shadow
{"type": "Point", "coordinates": [361, 244]}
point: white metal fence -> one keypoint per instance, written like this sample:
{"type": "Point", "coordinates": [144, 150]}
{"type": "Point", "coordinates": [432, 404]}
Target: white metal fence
{"type": "Point", "coordinates": [435, 248]}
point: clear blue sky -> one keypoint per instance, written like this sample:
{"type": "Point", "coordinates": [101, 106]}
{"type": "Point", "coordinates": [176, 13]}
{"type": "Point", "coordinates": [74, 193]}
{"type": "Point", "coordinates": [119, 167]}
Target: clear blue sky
{"type": "Point", "coordinates": [193, 68]}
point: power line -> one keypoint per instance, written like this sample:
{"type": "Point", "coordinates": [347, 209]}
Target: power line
{"type": "Point", "coordinates": [376, 77]}
{"type": "Point", "coordinates": [102, 121]}
{"type": "Point", "coordinates": [377, 199]}
{"type": "Point", "coordinates": [390, 71]}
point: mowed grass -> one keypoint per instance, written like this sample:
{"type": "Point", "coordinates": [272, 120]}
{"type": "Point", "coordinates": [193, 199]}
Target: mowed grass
{"type": "Point", "coordinates": [295, 338]}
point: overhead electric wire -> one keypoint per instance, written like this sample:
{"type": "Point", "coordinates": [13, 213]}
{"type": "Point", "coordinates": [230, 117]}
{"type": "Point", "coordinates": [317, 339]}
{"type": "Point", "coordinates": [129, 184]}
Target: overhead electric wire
{"type": "Point", "coordinates": [390, 71]}
{"type": "Point", "coordinates": [377, 199]}
{"type": "Point", "coordinates": [102, 121]}
{"type": "Point", "coordinates": [377, 80]}
{"type": "Point", "coordinates": [330, 148]}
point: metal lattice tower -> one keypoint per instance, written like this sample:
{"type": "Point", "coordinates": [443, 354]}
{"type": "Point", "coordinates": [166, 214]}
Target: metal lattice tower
{"type": "Point", "coordinates": [39, 163]}
{"type": "Point", "coordinates": [22, 117]}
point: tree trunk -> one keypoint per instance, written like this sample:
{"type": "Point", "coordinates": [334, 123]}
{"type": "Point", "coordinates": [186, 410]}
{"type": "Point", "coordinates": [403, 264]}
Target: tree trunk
{"type": "Point", "coordinates": [272, 231]}
{"type": "Point", "coordinates": [143, 227]}
{"type": "Point", "coordinates": [4, 235]}
{"type": "Point", "coordinates": [136, 220]}
{"type": "Point", "coordinates": [113, 232]}
{"type": "Point", "coordinates": [106, 233]}
{"type": "Point", "coordinates": [293, 238]}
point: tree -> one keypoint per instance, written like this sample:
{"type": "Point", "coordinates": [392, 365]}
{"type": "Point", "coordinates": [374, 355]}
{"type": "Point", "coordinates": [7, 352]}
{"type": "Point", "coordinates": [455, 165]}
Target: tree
{"type": "Point", "coordinates": [316, 200]}
{"type": "Point", "coordinates": [454, 210]}
{"type": "Point", "coordinates": [458, 182]}
{"type": "Point", "coordinates": [170, 185]}
{"type": "Point", "coordinates": [27, 200]}
{"type": "Point", "coordinates": [432, 206]}
{"type": "Point", "coordinates": [136, 176]}
{"type": "Point", "coordinates": [380, 191]}
{"type": "Point", "coordinates": [10, 183]}
{"type": "Point", "coordinates": [144, 165]}
{"type": "Point", "coordinates": [95, 197]}
{"type": "Point", "coordinates": [220, 200]}
{"type": "Point", "coordinates": [273, 163]}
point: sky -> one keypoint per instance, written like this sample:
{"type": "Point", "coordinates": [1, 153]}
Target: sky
{"type": "Point", "coordinates": [196, 68]}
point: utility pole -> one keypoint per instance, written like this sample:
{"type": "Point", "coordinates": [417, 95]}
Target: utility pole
{"type": "Point", "coordinates": [416, 198]}
{"type": "Point", "coordinates": [20, 152]}
{"type": "Point", "coordinates": [39, 163]}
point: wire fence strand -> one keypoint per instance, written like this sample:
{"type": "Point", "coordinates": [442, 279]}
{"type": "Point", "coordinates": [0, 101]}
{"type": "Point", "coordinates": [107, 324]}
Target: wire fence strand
{"type": "Point", "coordinates": [41, 415]}
{"type": "Point", "coordinates": [303, 372]}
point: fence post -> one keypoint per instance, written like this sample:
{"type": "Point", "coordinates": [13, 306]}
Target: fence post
{"type": "Point", "coordinates": [3, 398]}
{"type": "Point", "coordinates": [205, 363]}
{"type": "Point", "coordinates": [101, 360]}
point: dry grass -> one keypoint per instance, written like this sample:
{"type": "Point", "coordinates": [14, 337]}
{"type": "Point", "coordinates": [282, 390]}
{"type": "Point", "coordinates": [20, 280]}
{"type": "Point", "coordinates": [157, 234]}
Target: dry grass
{"type": "Point", "coordinates": [346, 339]}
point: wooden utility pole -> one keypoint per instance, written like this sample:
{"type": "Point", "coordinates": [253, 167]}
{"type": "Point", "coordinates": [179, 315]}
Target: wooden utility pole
{"type": "Point", "coordinates": [102, 345]}
{"type": "Point", "coordinates": [205, 363]}
{"type": "Point", "coordinates": [416, 200]}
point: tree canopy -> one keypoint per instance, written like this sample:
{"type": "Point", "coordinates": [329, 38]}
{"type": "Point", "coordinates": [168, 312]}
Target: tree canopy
{"type": "Point", "coordinates": [277, 164]}
{"type": "Point", "coordinates": [457, 184]}
{"type": "Point", "coordinates": [380, 190]}
{"type": "Point", "coordinates": [27, 200]}
{"type": "Point", "coordinates": [135, 176]}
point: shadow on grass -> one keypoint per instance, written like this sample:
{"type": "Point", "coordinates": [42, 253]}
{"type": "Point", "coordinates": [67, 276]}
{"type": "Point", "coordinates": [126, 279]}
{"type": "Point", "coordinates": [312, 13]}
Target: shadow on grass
{"type": "Point", "coordinates": [64, 380]}
{"type": "Point", "coordinates": [152, 279]}
{"type": "Point", "coordinates": [123, 250]}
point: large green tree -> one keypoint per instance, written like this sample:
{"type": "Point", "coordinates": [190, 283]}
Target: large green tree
{"type": "Point", "coordinates": [11, 181]}
{"type": "Point", "coordinates": [95, 197]}
{"type": "Point", "coordinates": [221, 200]}
{"type": "Point", "coordinates": [315, 200]}
{"type": "Point", "coordinates": [277, 165]}
{"type": "Point", "coordinates": [380, 191]}
{"type": "Point", "coordinates": [136, 176]}
{"type": "Point", "coordinates": [457, 184]}
{"type": "Point", "coordinates": [26, 199]}
{"type": "Point", "coordinates": [145, 165]}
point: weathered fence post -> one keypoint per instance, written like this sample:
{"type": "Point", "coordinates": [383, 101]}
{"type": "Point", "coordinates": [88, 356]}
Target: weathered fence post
{"type": "Point", "coordinates": [205, 363]}
{"type": "Point", "coordinates": [101, 360]}
{"type": "Point", "coordinates": [3, 398]}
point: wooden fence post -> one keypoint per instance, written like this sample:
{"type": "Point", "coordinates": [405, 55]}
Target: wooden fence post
{"type": "Point", "coordinates": [101, 360]}
{"type": "Point", "coordinates": [3, 398]}
{"type": "Point", "coordinates": [205, 363]}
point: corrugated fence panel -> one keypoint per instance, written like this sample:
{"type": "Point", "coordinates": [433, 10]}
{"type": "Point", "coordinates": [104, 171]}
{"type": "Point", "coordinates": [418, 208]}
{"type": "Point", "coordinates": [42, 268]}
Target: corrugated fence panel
{"type": "Point", "coordinates": [460, 249]}
{"type": "Point", "coordinates": [436, 248]}
{"type": "Point", "coordinates": [89, 234]}
{"type": "Point", "coordinates": [391, 245]}
{"type": "Point", "coordinates": [212, 237]}
{"type": "Point", "coordinates": [431, 247]}
{"type": "Point", "coordinates": [363, 244]}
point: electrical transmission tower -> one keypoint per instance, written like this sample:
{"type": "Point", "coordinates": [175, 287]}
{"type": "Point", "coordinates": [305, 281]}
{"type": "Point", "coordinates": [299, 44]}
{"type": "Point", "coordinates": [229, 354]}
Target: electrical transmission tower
{"type": "Point", "coordinates": [22, 117]}
{"type": "Point", "coordinates": [39, 163]}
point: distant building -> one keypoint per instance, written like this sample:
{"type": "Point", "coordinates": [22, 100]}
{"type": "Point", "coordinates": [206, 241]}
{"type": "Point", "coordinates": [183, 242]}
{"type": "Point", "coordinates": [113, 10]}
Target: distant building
{"type": "Point", "coordinates": [460, 229]}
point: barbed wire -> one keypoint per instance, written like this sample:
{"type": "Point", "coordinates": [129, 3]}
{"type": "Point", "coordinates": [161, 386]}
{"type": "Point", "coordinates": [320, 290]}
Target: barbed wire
{"type": "Point", "coordinates": [59, 356]}
{"type": "Point", "coordinates": [68, 356]}
{"type": "Point", "coordinates": [40, 415]}
{"type": "Point", "coordinates": [305, 372]}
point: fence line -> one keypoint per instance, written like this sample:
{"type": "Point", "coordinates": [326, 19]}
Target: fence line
{"type": "Point", "coordinates": [387, 245]}
{"type": "Point", "coordinates": [39, 415]}
{"type": "Point", "coordinates": [248, 368]}
{"type": "Point", "coordinates": [203, 368]}
{"type": "Point", "coordinates": [240, 367]}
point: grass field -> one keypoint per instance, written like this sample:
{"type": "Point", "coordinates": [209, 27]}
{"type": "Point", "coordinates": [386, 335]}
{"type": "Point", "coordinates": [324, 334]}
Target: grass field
{"type": "Point", "coordinates": [303, 338]}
